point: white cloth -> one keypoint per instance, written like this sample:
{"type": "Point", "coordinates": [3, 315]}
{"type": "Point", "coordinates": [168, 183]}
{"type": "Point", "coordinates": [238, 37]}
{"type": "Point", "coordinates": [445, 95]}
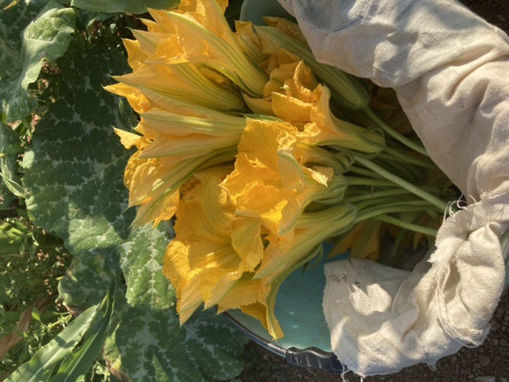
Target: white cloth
{"type": "Point", "coordinates": [451, 72]}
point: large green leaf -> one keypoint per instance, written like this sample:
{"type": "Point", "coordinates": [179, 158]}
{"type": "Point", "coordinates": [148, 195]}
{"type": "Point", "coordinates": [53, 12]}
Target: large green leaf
{"type": "Point", "coordinates": [74, 169]}
{"type": "Point", "coordinates": [141, 262]}
{"type": "Point", "coordinates": [24, 46]}
{"type": "Point", "coordinates": [154, 348]}
{"type": "Point", "coordinates": [131, 6]}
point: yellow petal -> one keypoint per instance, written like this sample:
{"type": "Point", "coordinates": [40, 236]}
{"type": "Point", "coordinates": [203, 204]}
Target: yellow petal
{"type": "Point", "coordinates": [210, 14]}
{"type": "Point", "coordinates": [159, 210]}
{"type": "Point", "coordinates": [290, 109]}
{"type": "Point", "coordinates": [311, 229]}
{"type": "Point", "coordinates": [128, 139]}
{"type": "Point", "coordinates": [287, 27]}
{"type": "Point", "coordinates": [302, 84]}
{"type": "Point", "coordinates": [258, 105]}
{"type": "Point", "coordinates": [135, 54]}
{"type": "Point", "coordinates": [246, 240]}
{"type": "Point", "coordinates": [245, 292]}
{"type": "Point", "coordinates": [138, 101]}
{"type": "Point", "coordinates": [260, 311]}
{"type": "Point", "coordinates": [262, 201]}
{"type": "Point", "coordinates": [183, 82]}
{"type": "Point", "coordinates": [325, 129]}
{"type": "Point", "coordinates": [249, 41]}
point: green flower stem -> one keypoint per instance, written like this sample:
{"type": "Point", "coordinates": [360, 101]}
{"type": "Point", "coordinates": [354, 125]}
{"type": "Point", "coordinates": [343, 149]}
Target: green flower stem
{"type": "Point", "coordinates": [363, 171]}
{"type": "Point", "coordinates": [395, 255]}
{"type": "Point", "coordinates": [393, 133]}
{"type": "Point", "coordinates": [405, 171]}
{"type": "Point", "coordinates": [382, 202]}
{"type": "Point", "coordinates": [358, 181]}
{"type": "Point", "coordinates": [375, 195]}
{"type": "Point", "coordinates": [409, 226]}
{"type": "Point", "coordinates": [442, 206]}
{"type": "Point", "coordinates": [394, 154]}
{"type": "Point", "coordinates": [368, 213]}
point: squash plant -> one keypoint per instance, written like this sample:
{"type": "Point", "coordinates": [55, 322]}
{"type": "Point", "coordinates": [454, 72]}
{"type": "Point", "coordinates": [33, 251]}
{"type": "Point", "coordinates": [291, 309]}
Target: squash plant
{"type": "Point", "coordinates": [61, 186]}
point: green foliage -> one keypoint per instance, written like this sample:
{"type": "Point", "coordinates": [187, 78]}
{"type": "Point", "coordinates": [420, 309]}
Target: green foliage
{"type": "Point", "coordinates": [26, 43]}
{"type": "Point", "coordinates": [153, 347]}
{"type": "Point", "coordinates": [86, 281]}
{"type": "Point", "coordinates": [31, 262]}
{"type": "Point", "coordinates": [73, 174]}
{"type": "Point", "coordinates": [74, 170]}
{"type": "Point", "coordinates": [92, 342]}
{"type": "Point", "coordinates": [27, 273]}
{"type": "Point", "coordinates": [115, 6]}
{"type": "Point", "coordinates": [9, 150]}
{"type": "Point", "coordinates": [44, 362]}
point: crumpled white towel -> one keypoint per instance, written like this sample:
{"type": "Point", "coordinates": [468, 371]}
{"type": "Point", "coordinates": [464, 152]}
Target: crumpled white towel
{"type": "Point", "coordinates": [450, 70]}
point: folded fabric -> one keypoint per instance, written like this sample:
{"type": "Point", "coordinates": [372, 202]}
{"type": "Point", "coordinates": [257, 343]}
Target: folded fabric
{"type": "Point", "coordinates": [450, 71]}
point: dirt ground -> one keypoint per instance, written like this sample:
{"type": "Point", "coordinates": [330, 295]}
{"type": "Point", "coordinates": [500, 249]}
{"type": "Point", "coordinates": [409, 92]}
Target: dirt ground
{"type": "Point", "coordinates": [486, 363]}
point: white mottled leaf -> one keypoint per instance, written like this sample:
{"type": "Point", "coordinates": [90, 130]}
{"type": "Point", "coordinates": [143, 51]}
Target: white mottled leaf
{"type": "Point", "coordinates": [141, 261]}
{"type": "Point", "coordinates": [87, 280]}
{"type": "Point", "coordinates": [155, 348]}
{"type": "Point", "coordinates": [73, 172]}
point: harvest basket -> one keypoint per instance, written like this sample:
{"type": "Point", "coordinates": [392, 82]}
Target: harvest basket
{"type": "Point", "coordinates": [299, 304]}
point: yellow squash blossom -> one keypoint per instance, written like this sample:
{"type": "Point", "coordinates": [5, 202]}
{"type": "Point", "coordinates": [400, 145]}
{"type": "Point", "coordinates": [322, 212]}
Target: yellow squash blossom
{"type": "Point", "coordinates": [268, 182]}
{"type": "Point", "coordinates": [212, 248]}
{"type": "Point", "coordinates": [249, 41]}
{"type": "Point", "coordinates": [346, 88]}
{"type": "Point", "coordinates": [180, 81]}
{"type": "Point", "coordinates": [294, 95]}
{"type": "Point", "coordinates": [215, 254]}
{"type": "Point", "coordinates": [178, 57]}
{"type": "Point", "coordinates": [198, 33]}
{"type": "Point", "coordinates": [311, 229]}
{"type": "Point", "coordinates": [280, 67]}
{"type": "Point", "coordinates": [173, 145]}
{"type": "Point", "coordinates": [325, 129]}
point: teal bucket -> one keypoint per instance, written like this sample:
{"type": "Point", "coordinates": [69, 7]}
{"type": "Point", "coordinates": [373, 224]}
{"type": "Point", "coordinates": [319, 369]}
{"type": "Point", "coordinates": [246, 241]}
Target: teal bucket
{"type": "Point", "coordinates": [306, 341]}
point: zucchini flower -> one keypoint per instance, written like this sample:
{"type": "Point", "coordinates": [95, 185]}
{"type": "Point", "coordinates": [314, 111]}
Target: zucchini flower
{"type": "Point", "coordinates": [293, 94]}
{"type": "Point", "coordinates": [249, 41]}
{"type": "Point", "coordinates": [282, 257]}
{"type": "Point", "coordinates": [212, 249]}
{"type": "Point", "coordinates": [324, 129]}
{"type": "Point", "coordinates": [311, 229]}
{"type": "Point", "coordinates": [349, 91]}
{"type": "Point", "coordinates": [171, 145]}
{"type": "Point", "coordinates": [216, 253]}
{"type": "Point", "coordinates": [180, 81]}
{"type": "Point", "coordinates": [269, 183]}
{"type": "Point", "coordinates": [198, 33]}
{"type": "Point", "coordinates": [189, 54]}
